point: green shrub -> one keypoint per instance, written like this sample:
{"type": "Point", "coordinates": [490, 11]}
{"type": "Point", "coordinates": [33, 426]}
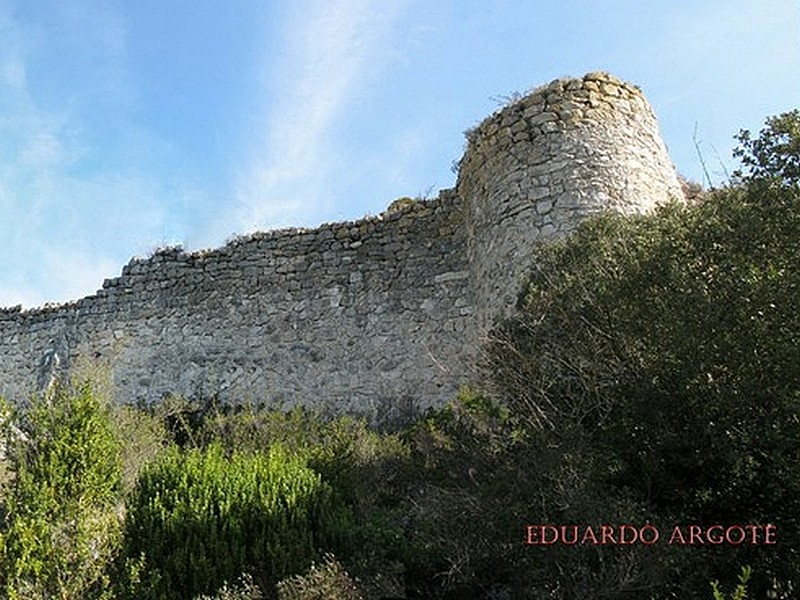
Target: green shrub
{"type": "Point", "coordinates": [245, 589]}
{"type": "Point", "coordinates": [199, 518]}
{"type": "Point", "coordinates": [484, 478]}
{"type": "Point", "coordinates": [327, 581]}
{"type": "Point", "coordinates": [660, 354]}
{"type": "Point", "coordinates": [60, 528]}
{"type": "Point", "coordinates": [466, 503]}
{"type": "Point", "coordinates": [372, 472]}
{"type": "Point", "coordinates": [142, 439]}
{"type": "Point", "coordinates": [740, 593]}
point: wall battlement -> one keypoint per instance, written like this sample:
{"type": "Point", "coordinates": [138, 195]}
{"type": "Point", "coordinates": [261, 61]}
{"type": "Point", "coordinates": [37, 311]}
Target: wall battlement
{"type": "Point", "coordinates": [378, 316]}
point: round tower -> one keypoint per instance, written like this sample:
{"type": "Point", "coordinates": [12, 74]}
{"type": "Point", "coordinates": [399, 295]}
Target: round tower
{"type": "Point", "coordinates": [537, 167]}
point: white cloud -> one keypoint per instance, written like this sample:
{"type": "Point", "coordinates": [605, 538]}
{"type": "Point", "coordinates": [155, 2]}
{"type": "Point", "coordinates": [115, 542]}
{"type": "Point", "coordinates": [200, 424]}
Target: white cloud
{"type": "Point", "coordinates": [64, 221]}
{"type": "Point", "coordinates": [14, 74]}
{"type": "Point", "coordinates": [44, 149]}
{"type": "Point", "coordinates": [75, 273]}
{"type": "Point", "coordinates": [26, 296]}
{"type": "Point", "coordinates": [68, 274]}
{"type": "Point", "coordinates": [332, 47]}
{"type": "Point", "coordinates": [64, 235]}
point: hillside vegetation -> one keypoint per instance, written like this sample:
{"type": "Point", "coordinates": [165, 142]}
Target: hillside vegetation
{"type": "Point", "coordinates": [650, 378]}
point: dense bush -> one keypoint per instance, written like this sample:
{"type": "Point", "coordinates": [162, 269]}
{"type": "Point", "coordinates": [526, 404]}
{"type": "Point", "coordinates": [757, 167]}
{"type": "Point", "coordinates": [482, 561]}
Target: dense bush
{"type": "Point", "coordinates": [142, 437]}
{"type": "Point", "coordinates": [370, 471]}
{"type": "Point", "coordinates": [326, 581]}
{"type": "Point", "coordinates": [59, 526]}
{"type": "Point", "coordinates": [201, 517]}
{"type": "Point", "coordinates": [469, 502]}
{"type": "Point", "coordinates": [244, 589]}
{"type": "Point", "coordinates": [659, 354]}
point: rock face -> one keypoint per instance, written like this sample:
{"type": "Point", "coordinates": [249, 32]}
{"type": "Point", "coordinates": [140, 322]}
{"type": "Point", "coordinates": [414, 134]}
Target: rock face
{"type": "Point", "coordinates": [380, 316]}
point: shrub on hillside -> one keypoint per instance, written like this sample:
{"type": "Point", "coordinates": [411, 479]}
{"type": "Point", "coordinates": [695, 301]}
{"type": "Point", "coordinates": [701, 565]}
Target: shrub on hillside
{"type": "Point", "coordinates": [142, 438]}
{"type": "Point", "coordinates": [59, 526]}
{"type": "Point", "coordinates": [650, 375]}
{"type": "Point", "coordinates": [325, 581]}
{"type": "Point", "coordinates": [469, 500]}
{"type": "Point", "coordinates": [201, 517]}
{"type": "Point", "coordinates": [664, 351]}
{"type": "Point", "coordinates": [370, 471]}
{"type": "Point", "coordinates": [244, 589]}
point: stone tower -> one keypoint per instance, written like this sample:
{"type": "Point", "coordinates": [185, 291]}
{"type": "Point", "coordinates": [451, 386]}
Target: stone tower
{"type": "Point", "coordinates": [534, 169]}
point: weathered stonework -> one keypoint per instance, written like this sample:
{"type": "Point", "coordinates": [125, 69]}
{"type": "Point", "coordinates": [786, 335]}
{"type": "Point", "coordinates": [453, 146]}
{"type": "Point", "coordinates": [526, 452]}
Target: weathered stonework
{"type": "Point", "coordinates": [378, 316]}
{"type": "Point", "coordinates": [533, 170]}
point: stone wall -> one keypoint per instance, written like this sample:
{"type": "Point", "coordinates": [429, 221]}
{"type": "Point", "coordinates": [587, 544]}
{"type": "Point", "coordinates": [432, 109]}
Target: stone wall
{"type": "Point", "coordinates": [380, 316]}
{"type": "Point", "coordinates": [368, 316]}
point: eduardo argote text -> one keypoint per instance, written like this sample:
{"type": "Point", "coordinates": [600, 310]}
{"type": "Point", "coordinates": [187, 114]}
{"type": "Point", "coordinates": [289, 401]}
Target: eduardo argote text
{"type": "Point", "coordinates": [648, 535]}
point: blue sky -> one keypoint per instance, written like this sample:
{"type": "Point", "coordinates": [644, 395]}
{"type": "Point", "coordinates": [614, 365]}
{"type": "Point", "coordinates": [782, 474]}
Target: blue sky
{"type": "Point", "coordinates": [129, 125]}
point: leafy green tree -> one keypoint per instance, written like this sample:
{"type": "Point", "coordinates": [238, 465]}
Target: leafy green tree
{"type": "Point", "coordinates": [774, 155]}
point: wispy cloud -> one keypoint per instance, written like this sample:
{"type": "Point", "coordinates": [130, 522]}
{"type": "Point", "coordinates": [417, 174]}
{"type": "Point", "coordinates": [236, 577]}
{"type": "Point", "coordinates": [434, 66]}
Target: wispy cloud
{"type": "Point", "coordinates": [76, 273]}
{"type": "Point", "coordinates": [332, 47]}
{"type": "Point", "coordinates": [66, 222]}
